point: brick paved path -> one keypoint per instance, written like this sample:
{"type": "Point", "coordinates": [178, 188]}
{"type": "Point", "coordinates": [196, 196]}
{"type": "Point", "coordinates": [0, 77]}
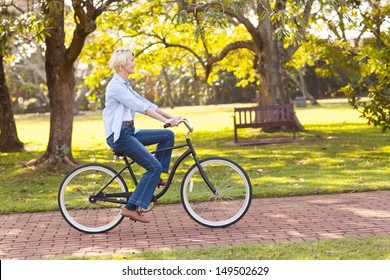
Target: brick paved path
{"type": "Point", "coordinates": [45, 235]}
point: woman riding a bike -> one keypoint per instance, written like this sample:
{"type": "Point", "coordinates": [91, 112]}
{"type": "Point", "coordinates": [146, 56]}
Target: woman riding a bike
{"type": "Point", "coordinates": [121, 105]}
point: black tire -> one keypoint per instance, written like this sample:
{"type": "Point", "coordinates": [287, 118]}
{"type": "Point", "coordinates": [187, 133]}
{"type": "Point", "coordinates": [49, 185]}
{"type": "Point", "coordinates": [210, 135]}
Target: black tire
{"type": "Point", "coordinates": [74, 194]}
{"type": "Point", "coordinates": [225, 208]}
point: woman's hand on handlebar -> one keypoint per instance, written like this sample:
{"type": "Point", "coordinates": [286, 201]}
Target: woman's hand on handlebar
{"type": "Point", "coordinates": [173, 121]}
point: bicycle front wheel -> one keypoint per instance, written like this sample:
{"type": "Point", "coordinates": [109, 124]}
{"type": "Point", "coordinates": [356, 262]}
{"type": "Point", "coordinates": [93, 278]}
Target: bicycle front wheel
{"type": "Point", "coordinates": [76, 205]}
{"type": "Point", "coordinates": [216, 210]}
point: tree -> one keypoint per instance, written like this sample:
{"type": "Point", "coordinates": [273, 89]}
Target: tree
{"type": "Point", "coordinates": [268, 23]}
{"type": "Point", "coordinates": [9, 140]}
{"type": "Point", "coordinates": [59, 65]}
{"type": "Point", "coordinates": [28, 68]}
{"type": "Point", "coordinates": [357, 46]}
{"type": "Point", "coordinates": [373, 57]}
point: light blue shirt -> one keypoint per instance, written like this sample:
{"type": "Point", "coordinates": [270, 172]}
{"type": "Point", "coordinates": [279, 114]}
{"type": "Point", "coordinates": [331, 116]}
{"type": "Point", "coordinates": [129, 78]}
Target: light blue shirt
{"type": "Point", "coordinates": [119, 96]}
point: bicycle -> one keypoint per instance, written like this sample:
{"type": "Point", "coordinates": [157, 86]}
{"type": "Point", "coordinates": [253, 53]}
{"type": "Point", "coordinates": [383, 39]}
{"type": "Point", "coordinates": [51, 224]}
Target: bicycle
{"type": "Point", "coordinates": [215, 192]}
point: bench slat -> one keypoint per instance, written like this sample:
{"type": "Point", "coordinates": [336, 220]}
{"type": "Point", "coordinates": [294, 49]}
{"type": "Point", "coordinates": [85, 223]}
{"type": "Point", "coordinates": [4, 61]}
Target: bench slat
{"type": "Point", "coordinates": [264, 116]}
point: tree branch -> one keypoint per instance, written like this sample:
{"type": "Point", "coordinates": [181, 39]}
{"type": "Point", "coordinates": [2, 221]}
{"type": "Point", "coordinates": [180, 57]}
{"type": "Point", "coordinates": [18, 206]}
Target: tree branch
{"type": "Point", "coordinates": [198, 57]}
{"type": "Point", "coordinates": [210, 60]}
{"type": "Point", "coordinates": [201, 7]}
{"type": "Point", "coordinates": [231, 47]}
{"type": "Point", "coordinates": [85, 15]}
{"type": "Point", "coordinates": [106, 4]}
{"type": "Point", "coordinates": [225, 51]}
{"type": "Point", "coordinates": [301, 29]}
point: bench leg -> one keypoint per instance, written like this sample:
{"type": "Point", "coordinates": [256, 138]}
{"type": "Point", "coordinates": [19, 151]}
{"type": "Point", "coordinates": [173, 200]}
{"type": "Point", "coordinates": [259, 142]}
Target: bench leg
{"type": "Point", "coordinates": [294, 117]}
{"type": "Point", "coordinates": [294, 129]}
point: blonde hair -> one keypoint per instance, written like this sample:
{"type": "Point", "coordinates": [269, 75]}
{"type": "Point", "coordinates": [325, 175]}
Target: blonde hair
{"type": "Point", "coordinates": [119, 58]}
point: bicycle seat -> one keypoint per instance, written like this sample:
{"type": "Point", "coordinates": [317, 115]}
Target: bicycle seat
{"type": "Point", "coordinates": [117, 153]}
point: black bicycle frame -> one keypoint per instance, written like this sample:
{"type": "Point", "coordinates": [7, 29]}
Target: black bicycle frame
{"type": "Point", "coordinates": [100, 196]}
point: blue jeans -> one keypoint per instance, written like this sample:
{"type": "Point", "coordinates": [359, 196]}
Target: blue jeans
{"type": "Point", "coordinates": [133, 145]}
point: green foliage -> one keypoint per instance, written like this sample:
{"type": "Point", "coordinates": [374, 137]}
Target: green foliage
{"type": "Point", "coordinates": [376, 110]}
{"type": "Point", "coordinates": [20, 30]}
{"type": "Point", "coordinates": [285, 16]}
{"type": "Point", "coordinates": [162, 44]}
{"type": "Point", "coordinates": [374, 68]}
{"type": "Point", "coordinates": [363, 59]}
{"type": "Point", "coordinates": [16, 26]}
{"type": "Point", "coordinates": [5, 33]}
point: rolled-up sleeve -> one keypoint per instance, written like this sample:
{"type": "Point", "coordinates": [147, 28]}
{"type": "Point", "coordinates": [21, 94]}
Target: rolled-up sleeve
{"type": "Point", "coordinates": [120, 92]}
{"type": "Point", "coordinates": [144, 100]}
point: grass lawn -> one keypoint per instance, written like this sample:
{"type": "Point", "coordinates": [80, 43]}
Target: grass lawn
{"type": "Point", "coordinates": [339, 153]}
{"type": "Point", "coordinates": [369, 248]}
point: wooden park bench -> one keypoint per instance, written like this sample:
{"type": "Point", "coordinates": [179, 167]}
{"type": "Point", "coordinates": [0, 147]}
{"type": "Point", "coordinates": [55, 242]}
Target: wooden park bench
{"type": "Point", "coordinates": [263, 117]}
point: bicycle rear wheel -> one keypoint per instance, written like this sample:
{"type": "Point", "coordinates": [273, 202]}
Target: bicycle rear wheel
{"type": "Point", "coordinates": [225, 208]}
{"type": "Point", "coordinates": [79, 210]}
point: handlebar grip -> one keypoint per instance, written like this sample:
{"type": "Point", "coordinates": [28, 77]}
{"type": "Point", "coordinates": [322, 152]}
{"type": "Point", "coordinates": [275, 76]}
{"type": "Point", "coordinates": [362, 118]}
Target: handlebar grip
{"type": "Point", "coordinates": [167, 125]}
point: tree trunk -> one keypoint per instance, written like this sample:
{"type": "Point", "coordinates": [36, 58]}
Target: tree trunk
{"type": "Point", "coordinates": [168, 88]}
{"type": "Point", "coordinates": [9, 140]}
{"type": "Point", "coordinates": [61, 86]}
{"type": "Point", "coordinates": [272, 87]}
{"type": "Point", "coordinates": [304, 89]}
{"type": "Point", "coordinates": [301, 84]}
{"type": "Point", "coordinates": [185, 96]}
{"type": "Point", "coordinates": [271, 68]}
{"type": "Point", "coordinates": [196, 90]}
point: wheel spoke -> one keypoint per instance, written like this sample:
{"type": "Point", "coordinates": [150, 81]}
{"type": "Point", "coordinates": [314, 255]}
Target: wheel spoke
{"type": "Point", "coordinates": [75, 192]}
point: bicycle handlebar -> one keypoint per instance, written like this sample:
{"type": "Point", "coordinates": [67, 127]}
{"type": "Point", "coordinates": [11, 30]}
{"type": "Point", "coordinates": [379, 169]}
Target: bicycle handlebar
{"type": "Point", "coordinates": [187, 124]}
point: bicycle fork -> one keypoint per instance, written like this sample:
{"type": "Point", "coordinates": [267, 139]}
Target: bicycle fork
{"type": "Point", "coordinates": [202, 173]}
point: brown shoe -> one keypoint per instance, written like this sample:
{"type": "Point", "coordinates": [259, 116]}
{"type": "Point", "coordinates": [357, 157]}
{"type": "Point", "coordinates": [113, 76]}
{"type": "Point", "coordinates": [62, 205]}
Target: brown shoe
{"type": "Point", "coordinates": [134, 215]}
